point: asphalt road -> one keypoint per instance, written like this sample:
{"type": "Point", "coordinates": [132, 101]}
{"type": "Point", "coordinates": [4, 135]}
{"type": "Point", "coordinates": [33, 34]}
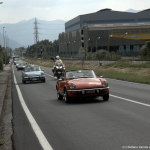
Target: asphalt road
{"type": "Point", "coordinates": [121, 123]}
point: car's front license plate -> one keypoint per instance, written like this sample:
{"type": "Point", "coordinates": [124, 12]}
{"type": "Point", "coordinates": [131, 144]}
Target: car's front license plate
{"type": "Point", "coordinates": [34, 79]}
{"type": "Point", "coordinates": [90, 91]}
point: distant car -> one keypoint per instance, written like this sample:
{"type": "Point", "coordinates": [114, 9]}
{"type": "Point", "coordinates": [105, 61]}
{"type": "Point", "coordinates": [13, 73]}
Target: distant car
{"type": "Point", "coordinates": [33, 73]}
{"type": "Point", "coordinates": [17, 63]}
{"type": "Point", "coordinates": [21, 66]}
{"type": "Point", "coordinates": [81, 83]}
{"type": "Point", "coordinates": [16, 60]}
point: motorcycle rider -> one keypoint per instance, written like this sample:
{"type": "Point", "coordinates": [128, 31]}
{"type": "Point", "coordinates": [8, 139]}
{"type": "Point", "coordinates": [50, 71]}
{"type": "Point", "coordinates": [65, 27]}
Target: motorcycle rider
{"type": "Point", "coordinates": [58, 66]}
{"type": "Point", "coordinates": [58, 60]}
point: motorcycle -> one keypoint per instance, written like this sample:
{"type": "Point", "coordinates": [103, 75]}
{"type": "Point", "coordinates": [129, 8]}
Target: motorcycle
{"type": "Point", "coordinates": [58, 70]}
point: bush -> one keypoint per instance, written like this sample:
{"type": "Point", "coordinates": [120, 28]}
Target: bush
{"type": "Point", "coordinates": [145, 50]}
{"type": "Point", "coordinates": [101, 54]}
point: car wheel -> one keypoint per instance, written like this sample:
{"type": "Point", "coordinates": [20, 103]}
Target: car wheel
{"type": "Point", "coordinates": [59, 97]}
{"type": "Point", "coordinates": [44, 80]}
{"type": "Point", "coordinates": [66, 97]}
{"type": "Point", "coordinates": [106, 97]}
{"type": "Point", "coordinates": [23, 81]}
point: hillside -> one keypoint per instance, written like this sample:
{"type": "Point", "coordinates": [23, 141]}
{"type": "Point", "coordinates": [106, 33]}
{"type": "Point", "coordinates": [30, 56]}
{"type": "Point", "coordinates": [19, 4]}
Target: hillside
{"type": "Point", "coordinates": [22, 33]}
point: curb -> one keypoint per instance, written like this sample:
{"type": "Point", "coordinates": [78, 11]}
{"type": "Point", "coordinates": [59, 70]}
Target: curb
{"type": "Point", "coordinates": [6, 130]}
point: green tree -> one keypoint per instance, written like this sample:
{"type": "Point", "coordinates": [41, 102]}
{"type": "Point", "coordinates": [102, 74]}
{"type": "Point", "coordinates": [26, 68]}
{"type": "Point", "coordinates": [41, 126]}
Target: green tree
{"type": "Point", "coordinates": [1, 59]}
{"type": "Point", "coordinates": [145, 50]}
{"type": "Point", "coordinates": [148, 48]}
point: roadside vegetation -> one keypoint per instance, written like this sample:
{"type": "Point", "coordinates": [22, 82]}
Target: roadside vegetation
{"type": "Point", "coordinates": [121, 70]}
{"type": "Point", "coordinates": [133, 71]}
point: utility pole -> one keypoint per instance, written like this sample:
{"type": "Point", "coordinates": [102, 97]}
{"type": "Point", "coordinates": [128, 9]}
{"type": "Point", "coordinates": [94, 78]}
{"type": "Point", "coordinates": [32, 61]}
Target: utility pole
{"type": "Point", "coordinates": [5, 40]}
{"type": "Point", "coordinates": [36, 36]}
{"type": "Point", "coordinates": [4, 36]}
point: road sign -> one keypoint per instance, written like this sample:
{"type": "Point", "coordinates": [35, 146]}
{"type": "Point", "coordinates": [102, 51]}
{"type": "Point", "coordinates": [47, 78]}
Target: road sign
{"type": "Point", "coordinates": [81, 50]}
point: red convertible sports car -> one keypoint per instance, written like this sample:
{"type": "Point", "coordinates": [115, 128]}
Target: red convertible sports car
{"type": "Point", "coordinates": [81, 83]}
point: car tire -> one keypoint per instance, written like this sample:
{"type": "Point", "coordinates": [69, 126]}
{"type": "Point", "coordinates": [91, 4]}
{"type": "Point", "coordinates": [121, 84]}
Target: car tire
{"type": "Point", "coordinates": [106, 97]}
{"type": "Point", "coordinates": [66, 97]}
{"type": "Point", "coordinates": [59, 97]}
{"type": "Point", "coordinates": [23, 81]}
{"type": "Point", "coordinates": [44, 80]}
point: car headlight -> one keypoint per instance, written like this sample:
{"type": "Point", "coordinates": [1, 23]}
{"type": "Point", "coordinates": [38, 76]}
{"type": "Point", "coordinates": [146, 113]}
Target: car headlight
{"type": "Point", "coordinates": [104, 83]}
{"type": "Point", "coordinates": [42, 74]}
{"type": "Point", "coordinates": [25, 75]}
{"type": "Point", "coordinates": [72, 86]}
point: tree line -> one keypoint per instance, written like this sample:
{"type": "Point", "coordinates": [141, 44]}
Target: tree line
{"type": "Point", "coordinates": [42, 49]}
{"type": "Point", "coordinates": [3, 58]}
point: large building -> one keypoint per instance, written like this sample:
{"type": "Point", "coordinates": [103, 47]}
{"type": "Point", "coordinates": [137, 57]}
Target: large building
{"type": "Point", "coordinates": [122, 32]}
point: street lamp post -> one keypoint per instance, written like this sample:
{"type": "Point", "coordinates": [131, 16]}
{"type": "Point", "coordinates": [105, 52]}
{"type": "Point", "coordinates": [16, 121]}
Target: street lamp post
{"type": "Point", "coordinates": [123, 37]}
{"type": "Point", "coordinates": [108, 41]}
{"type": "Point", "coordinates": [96, 42]}
{"type": "Point", "coordinates": [4, 36]}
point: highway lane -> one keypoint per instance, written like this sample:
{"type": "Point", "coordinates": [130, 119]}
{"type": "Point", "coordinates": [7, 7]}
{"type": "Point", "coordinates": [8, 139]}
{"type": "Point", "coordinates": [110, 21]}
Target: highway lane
{"type": "Point", "coordinates": [89, 124]}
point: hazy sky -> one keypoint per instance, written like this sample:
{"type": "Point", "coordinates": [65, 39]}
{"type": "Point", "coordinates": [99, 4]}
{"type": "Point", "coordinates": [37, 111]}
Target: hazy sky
{"type": "Point", "coordinates": [13, 11]}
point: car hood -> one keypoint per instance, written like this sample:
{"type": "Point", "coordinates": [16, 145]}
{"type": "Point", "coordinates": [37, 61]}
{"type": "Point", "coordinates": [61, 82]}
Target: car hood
{"type": "Point", "coordinates": [34, 73]}
{"type": "Point", "coordinates": [87, 83]}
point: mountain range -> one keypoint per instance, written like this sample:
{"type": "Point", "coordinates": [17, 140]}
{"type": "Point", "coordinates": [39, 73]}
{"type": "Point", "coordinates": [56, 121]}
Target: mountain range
{"type": "Point", "coordinates": [133, 10]}
{"type": "Point", "coordinates": [22, 33]}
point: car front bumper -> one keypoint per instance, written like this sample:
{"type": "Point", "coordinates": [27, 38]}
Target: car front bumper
{"type": "Point", "coordinates": [88, 92]}
{"type": "Point", "coordinates": [34, 78]}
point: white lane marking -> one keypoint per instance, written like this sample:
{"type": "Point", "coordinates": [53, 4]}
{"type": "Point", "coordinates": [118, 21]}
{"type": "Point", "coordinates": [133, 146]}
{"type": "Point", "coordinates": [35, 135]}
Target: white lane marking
{"type": "Point", "coordinates": [129, 100]}
{"type": "Point", "coordinates": [40, 136]}
{"type": "Point", "coordinates": [49, 75]}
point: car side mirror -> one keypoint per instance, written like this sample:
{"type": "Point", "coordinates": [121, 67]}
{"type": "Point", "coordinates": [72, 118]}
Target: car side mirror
{"type": "Point", "coordinates": [42, 69]}
{"type": "Point", "coordinates": [101, 76]}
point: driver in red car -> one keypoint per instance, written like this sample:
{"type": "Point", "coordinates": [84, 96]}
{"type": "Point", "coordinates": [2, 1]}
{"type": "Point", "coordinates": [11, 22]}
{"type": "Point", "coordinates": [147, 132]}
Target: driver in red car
{"type": "Point", "coordinates": [70, 75]}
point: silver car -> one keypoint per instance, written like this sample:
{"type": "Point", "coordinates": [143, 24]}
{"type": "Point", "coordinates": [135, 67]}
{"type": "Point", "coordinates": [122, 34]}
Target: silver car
{"type": "Point", "coordinates": [33, 73]}
{"type": "Point", "coordinates": [21, 66]}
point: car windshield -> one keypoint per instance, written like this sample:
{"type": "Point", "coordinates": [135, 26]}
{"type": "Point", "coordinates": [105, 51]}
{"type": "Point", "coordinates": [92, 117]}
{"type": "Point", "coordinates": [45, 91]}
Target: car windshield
{"type": "Point", "coordinates": [27, 69]}
{"type": "Point", "coordinates": [74, 74]}
{"type": "Point", "coordinates": [35, 68]}
{"type": "Point", "coordinates": [22, 64]}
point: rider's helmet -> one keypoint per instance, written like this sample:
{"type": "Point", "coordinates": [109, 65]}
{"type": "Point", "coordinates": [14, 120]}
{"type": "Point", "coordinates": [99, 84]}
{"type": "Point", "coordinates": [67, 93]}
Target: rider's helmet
{"type": "Point", "coordinates": [57, 57]}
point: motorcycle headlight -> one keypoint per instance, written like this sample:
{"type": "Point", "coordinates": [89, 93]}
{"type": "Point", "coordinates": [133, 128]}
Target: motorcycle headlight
{"type": "Point", "coordinates": [72, 86]}
{"type": "Point", "coordinates": [57, 67]}
{"type": "Point", "coordinates": [104, 83]}
{"type": "Point", "coordinates": [60, 67]}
